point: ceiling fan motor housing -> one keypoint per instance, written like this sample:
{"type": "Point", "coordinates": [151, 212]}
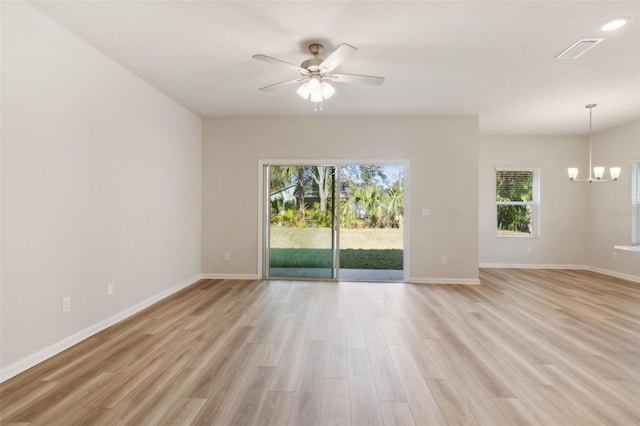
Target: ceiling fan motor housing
{"type": "Point", "coordinates": [312, 64]}
{"type": "Point", "coordinates": [315, 48]}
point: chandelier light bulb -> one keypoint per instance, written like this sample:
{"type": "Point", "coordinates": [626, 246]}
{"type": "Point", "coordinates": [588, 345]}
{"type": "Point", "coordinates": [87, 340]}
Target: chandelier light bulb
{"type": "Point", "coordinates": [573, 173]}
{"type": "Point", "coordinates": [598, 172]}
{"type": "Point", "coordinates": [615, 172]}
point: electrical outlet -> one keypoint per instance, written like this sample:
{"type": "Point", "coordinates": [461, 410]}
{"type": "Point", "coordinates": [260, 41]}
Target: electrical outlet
{"type": "Point", "coordinates": [66, 304]}
{"type": "Point", "coordinates": [109, 289]}
{"type": "Point", "coordinates": [614, 255]}
{"type": "Point", "coordinates": [426, 211]}
{"type": "Point", "coordinates": [443, 260]}
{"type": "Point", "coordinates": [227, 257]}
{"type": "Point", "coordinates": [528, 250]}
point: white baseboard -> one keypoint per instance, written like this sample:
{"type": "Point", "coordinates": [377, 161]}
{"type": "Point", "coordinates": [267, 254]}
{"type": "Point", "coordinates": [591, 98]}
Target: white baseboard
{"type": "Point", "coordinates": [532, 266]}
{"type": "Point", "coordinates": [230, 276]}
{"type": "Point", "coordinates": [615, 274]}
{"type": "Point", "coordinates": [48, 352]}
{"type": "Point", "coordinates": [467, 281]}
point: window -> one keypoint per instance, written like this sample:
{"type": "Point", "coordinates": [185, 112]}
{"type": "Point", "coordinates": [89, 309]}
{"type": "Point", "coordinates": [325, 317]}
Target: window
{"type": "Point", "coordinates": [517, 202]}
{"type": "Point", "coordinates": [635, 204]}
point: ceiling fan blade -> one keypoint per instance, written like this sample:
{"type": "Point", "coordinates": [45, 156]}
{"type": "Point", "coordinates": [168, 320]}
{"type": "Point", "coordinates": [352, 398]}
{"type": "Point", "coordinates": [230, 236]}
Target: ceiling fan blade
{"type": "Point", "coordinates": [341, 54]}
{"type": "Point", "coordinates": [278, 61]}
{"type": "Point", "coordinates": [371, 80]}
{"type": "Point", "coordinates": [282, 84]}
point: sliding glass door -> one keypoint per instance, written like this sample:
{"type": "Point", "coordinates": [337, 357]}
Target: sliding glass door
{"type": "Point", "coordinates": [300, 235]}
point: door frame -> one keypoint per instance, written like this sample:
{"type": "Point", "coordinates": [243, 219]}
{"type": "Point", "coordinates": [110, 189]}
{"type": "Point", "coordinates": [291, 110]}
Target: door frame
{"type": "Point", "coordinates": [264, 215]}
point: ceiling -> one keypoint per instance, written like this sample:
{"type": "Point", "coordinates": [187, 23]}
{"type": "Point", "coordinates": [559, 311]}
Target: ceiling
{"type": "Point", "coordinates": [491, 59]}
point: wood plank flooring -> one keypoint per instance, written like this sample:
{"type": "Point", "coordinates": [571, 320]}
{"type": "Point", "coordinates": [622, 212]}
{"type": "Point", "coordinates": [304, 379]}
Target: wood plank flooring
{"type": "Point", "coordinates": [527, 347]}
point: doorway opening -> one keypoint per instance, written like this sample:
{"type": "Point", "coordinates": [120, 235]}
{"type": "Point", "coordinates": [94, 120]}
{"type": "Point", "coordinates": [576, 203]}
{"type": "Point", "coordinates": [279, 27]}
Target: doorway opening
{"type": "Point", "coordinates": [333, 221]}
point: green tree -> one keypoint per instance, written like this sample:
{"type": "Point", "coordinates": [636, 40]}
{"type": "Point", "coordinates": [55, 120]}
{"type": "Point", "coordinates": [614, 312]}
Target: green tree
{"type": "Point", "coordinates": [283, 176]}
{"type": "Point", "coordinates": [368, 199]}
{"type": "Point", "coordinates": [355, 175]}
{"type": "Point", "coordinates": [514, 186]}
{"type": "Point", "coordinates": [393, 202]}
{"type": "Point", "coordinates": [348, 210]}
{"type": "Point", "coordinates": [322, 176]}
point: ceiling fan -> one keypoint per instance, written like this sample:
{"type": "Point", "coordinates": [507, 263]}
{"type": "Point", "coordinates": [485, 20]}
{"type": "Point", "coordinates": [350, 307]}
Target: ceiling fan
{"type": "Point", "coordinates": [316, 73]}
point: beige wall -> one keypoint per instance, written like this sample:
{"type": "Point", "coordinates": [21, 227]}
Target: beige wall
{"type": "Point", "coordinates": [563, 236]}
{"type": "Point", "coordinates": [580, 222]}
{"type": "Point", "coordinates": [443, 155]}
{"type": "Point", "coordinates": [609, 207]}
{"type": "Point", "coordinates": [101, 182]}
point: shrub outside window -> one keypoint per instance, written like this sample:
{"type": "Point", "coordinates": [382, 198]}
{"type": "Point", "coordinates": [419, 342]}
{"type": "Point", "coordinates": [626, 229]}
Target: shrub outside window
{"type": "Point", "coordinates": [517, 202]}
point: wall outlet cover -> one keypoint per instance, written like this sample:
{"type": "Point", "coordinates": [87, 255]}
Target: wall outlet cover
{"type": "Point", "coordinates": [66, 304]}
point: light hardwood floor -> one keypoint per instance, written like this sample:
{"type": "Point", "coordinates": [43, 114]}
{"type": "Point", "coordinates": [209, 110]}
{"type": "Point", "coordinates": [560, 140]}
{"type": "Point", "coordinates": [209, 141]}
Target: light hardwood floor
{"type": "Point", "coordinates": [526, 347]}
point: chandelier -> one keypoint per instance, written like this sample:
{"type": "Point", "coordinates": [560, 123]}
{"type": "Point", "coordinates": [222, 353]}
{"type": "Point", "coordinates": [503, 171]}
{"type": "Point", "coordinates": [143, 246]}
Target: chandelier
{"type": "Point", "coordinates": [598, 171]}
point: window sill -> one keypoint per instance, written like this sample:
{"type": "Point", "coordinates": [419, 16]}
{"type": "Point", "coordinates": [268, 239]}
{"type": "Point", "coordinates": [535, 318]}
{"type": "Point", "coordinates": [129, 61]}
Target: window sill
{"type": "Point", "coordinates": [628, 248]}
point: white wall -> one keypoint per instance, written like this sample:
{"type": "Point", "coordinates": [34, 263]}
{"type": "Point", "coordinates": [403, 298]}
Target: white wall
{"type": "Point", "coordinates": [101, 182]}
{"type": "Point", "coordinates": [609, 207]}
{"type": "Point", "coordinates": [563, 236]}
{"type": "Point", "coordinates": [443, 155]}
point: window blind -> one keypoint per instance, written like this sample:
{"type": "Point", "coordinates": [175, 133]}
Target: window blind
{"type": "Point", "coordinates": [515, 186]}
{"type": "Point", "coordinates": [635, 204]}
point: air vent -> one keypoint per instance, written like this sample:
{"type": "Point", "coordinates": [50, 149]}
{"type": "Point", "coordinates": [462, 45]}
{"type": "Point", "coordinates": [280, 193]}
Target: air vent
{"type": "Point", "coordinates": [578, 48]}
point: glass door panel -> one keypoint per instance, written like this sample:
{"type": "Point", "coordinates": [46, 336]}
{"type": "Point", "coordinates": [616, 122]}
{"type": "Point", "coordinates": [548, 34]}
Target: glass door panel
{"type": "Point", "coordinates": [371, 222]}
{"type": "Point", "coordinates": [301, 240]}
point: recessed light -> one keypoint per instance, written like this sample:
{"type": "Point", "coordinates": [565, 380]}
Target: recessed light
{"type": "Point", "coordinates": [614, 25]}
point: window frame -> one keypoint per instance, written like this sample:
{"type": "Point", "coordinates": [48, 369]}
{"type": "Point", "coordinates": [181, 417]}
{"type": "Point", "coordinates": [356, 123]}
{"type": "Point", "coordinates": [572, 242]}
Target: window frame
{"type": "Point", "coordinates": [635, 204]}
{"type": "Point", "coordinates": [534, 203]}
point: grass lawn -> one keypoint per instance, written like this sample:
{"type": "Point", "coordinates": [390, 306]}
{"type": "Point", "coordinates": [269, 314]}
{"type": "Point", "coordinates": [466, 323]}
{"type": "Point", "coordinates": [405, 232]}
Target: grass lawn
{"type": "Point", "coordinates": [349, 258]}
{"type": "Point", "coordinates": [359, 248]}
{"type": "Point", "coordinates": [365, 239]}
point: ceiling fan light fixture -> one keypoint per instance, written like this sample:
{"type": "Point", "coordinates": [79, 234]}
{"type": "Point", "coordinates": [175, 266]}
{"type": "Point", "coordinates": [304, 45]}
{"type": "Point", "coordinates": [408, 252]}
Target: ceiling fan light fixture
{"type": "Point", "coordinates": [303, 91]}
{"type": "Point", "coordinates": [314, 84]}
{"type": "Point", "coordinates": [315, 90]}
{"type": "Point", "coordinates": [327, 90]}
{"type": "Point", "coordinates": [316, 97]}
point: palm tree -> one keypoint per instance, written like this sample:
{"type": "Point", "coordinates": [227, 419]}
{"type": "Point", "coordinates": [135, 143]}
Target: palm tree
{"type": "Point", "coordinates": [348, 210]}
{"type": "Point", "coordinates": [393, 201]}
{"type": "Point", "coordinates": [368, 204]}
